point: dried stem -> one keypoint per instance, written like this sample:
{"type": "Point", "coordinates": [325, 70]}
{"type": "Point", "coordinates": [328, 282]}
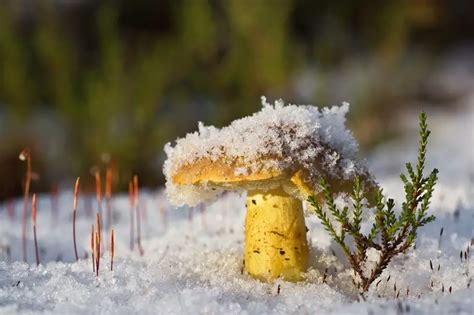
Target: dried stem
{"type": "Point", "coordinates": [137, 208]}
{"type": "Point", "coordinates": [98, 194]}
{"type": "Point", "coordinates": [98, 222]}
{"type": "Point", "coordinates": [74, 211]}
{"type": "Point", "coordinates": [33, 220]}
{"type": "Point", "coordinates": [108, 197]}
{"type": "Point", "coordinates": [112, 249]}
{"type": "Point", "coordinates": [97, 252]}
{"type": "Point", "coordinates": [98, 191]}
{"type": "Point", "coordinates": [93, 247]}
{"type": "Point", "coordinates": [132, 223]}
{"type": "Point", "coordinates": [25, 156]}
{"type": "Point", "coordinates": [97, 244]}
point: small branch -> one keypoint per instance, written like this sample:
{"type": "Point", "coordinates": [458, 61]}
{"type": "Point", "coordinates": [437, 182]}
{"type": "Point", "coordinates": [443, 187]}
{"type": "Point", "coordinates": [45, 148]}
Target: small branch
{"type": "Point", "coordinates": [74, 210]}
{"type": "Point", "coordinates": [112, 249]}
{"type": "Point", "coordinates": [97, 252]}
{"type": "Point", "coordinates": [99, 224]}
{"type": "Point", "coordinates": [33, 220]}
{"type": "Point", "coordinates": [97, 245]}
{"type": "Point", "coordinates": [132, 210]}
{"type": "Point", "coordinates": [397, 234]}
{"type": "Point", "coordinates": [98, 194]}
{"type": "Point", "coordinates": [93, 247]}
{"type": "Point", "coordinates": [98, 191]}
{"type": "Point", "coordinates": [137, 207]}
{"type": "Point", "coordinates": [108, 199]}
{"type": "Point", "coordinates": [25, 156]}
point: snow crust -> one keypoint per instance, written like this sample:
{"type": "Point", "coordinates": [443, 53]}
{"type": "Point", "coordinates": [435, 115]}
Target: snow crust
{"type": "Point", "coordinates": [279, 137]}
{"type": "Point", "coordinates": [193, 256]}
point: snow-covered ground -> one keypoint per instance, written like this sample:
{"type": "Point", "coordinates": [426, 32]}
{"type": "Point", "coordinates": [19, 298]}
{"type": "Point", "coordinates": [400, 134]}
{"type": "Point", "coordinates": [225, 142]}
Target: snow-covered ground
{"type": "Point", "coordinates": [193, 257]}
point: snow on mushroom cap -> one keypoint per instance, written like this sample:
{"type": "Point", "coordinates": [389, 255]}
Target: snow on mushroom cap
{"type": "Point", "coordinates": [289, 134]}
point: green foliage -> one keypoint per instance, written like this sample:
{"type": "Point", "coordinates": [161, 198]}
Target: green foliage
{"type": "Point", "coordinates": [125, 77]}
{"type": "Point", "coordinates": [115, 88]}
{"type": "Point", "coordinates": [391, 234]}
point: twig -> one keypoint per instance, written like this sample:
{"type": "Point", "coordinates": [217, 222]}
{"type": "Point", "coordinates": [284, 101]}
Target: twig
{"type": "Point", "coordinates": [99, 224]}
{"type": "Point", "coordinates": [97, 244]}
{"type": "Point", "coordinates": [112, 249]}
{"type": "Point", "coordinates": [108, 197]}
{"type": "Point", "coordinates": [74, 211]}
{"type": "Point", "coordinates": [25, 156]}
{"type": "Point", "coordinates": [97, 252]}
{"type": "Point", "coordinates": [137, 207]}
{"type": "Point", "coordinates": [132, 210]}
{"type": "Point", "coordinates": [98, 194]}
{"type": "Point", "coordinates": [98, 191]}
{"type": "Point", "coordinates": [33, 220]}
{"type": "Point", "coordinates": [93, 247]}
{"type": "Point", "coordinates": [325, 275]}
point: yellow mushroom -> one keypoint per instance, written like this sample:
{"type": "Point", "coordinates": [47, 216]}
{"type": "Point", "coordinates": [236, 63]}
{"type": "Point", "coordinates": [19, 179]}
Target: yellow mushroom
{"type": "Point", "coordinates": [282, 172]}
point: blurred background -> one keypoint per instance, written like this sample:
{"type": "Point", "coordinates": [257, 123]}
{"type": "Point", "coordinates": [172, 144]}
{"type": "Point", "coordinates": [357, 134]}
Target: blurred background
{"type": "Point", "coordinates": [88, 83]}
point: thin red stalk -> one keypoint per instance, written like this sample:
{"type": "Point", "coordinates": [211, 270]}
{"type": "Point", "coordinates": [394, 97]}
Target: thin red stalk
{"type": "Point", "coordinates": [74, 210]}
{"type": "Point", "coordinates": [99, 224]}
{"type": "Point", "coordinates": [132, 223]}
{"type": "Point", "coordinates": [108, 197]}
{"type": "Point", "coordinates": [93, 247]}
{"type": "Point", "coordinates": [98, 193]}
{"type": "Point", "coordinates": [97, 252]}
{"type": "Point", "coordinates": [137, 207]}
{"type": "Point", "coordinates": [112, 249]}
{"type": "Point", "coordinates": [25, 155]}
{"type": "Point", "coordinates": [33, 219]}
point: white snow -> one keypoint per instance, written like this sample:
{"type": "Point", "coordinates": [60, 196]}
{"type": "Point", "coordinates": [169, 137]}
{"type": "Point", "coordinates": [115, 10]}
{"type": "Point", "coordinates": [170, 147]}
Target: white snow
{"type": "Point", "coordinates": [278, 137]}
{"type": "Point", "coordinates": [193, 256]}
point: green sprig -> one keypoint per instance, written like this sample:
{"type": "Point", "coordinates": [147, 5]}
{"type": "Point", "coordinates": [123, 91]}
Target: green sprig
{"type": "Point", "coordinates": [390, 234]}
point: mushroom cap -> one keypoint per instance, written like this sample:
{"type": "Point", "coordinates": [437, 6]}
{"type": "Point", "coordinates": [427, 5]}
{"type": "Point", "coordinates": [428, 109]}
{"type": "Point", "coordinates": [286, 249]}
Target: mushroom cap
{"type": "Point", "coordinates": [289, 146]}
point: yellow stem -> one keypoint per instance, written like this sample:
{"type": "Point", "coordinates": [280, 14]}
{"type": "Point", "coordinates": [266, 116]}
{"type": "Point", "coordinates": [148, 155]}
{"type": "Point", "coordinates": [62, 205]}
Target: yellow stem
{"type": "Point", "coordinates": [275, 236]}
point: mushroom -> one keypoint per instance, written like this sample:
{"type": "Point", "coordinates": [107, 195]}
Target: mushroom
{"type": "Point", "coordinates": [277, 156]}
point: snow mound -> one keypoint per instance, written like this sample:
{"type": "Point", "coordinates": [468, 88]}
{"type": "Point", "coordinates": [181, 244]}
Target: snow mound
{"type": "Point", "coordinates": [279, 137]}
{"type": "Point", "coordinates": [193, 257]}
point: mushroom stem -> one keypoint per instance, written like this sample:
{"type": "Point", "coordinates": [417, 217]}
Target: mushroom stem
{"type": "Point", "coordinates": [275, 236]}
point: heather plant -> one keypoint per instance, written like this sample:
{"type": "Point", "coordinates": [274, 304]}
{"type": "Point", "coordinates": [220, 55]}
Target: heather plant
{"type": "Point", "coordinates": [391, 234]}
